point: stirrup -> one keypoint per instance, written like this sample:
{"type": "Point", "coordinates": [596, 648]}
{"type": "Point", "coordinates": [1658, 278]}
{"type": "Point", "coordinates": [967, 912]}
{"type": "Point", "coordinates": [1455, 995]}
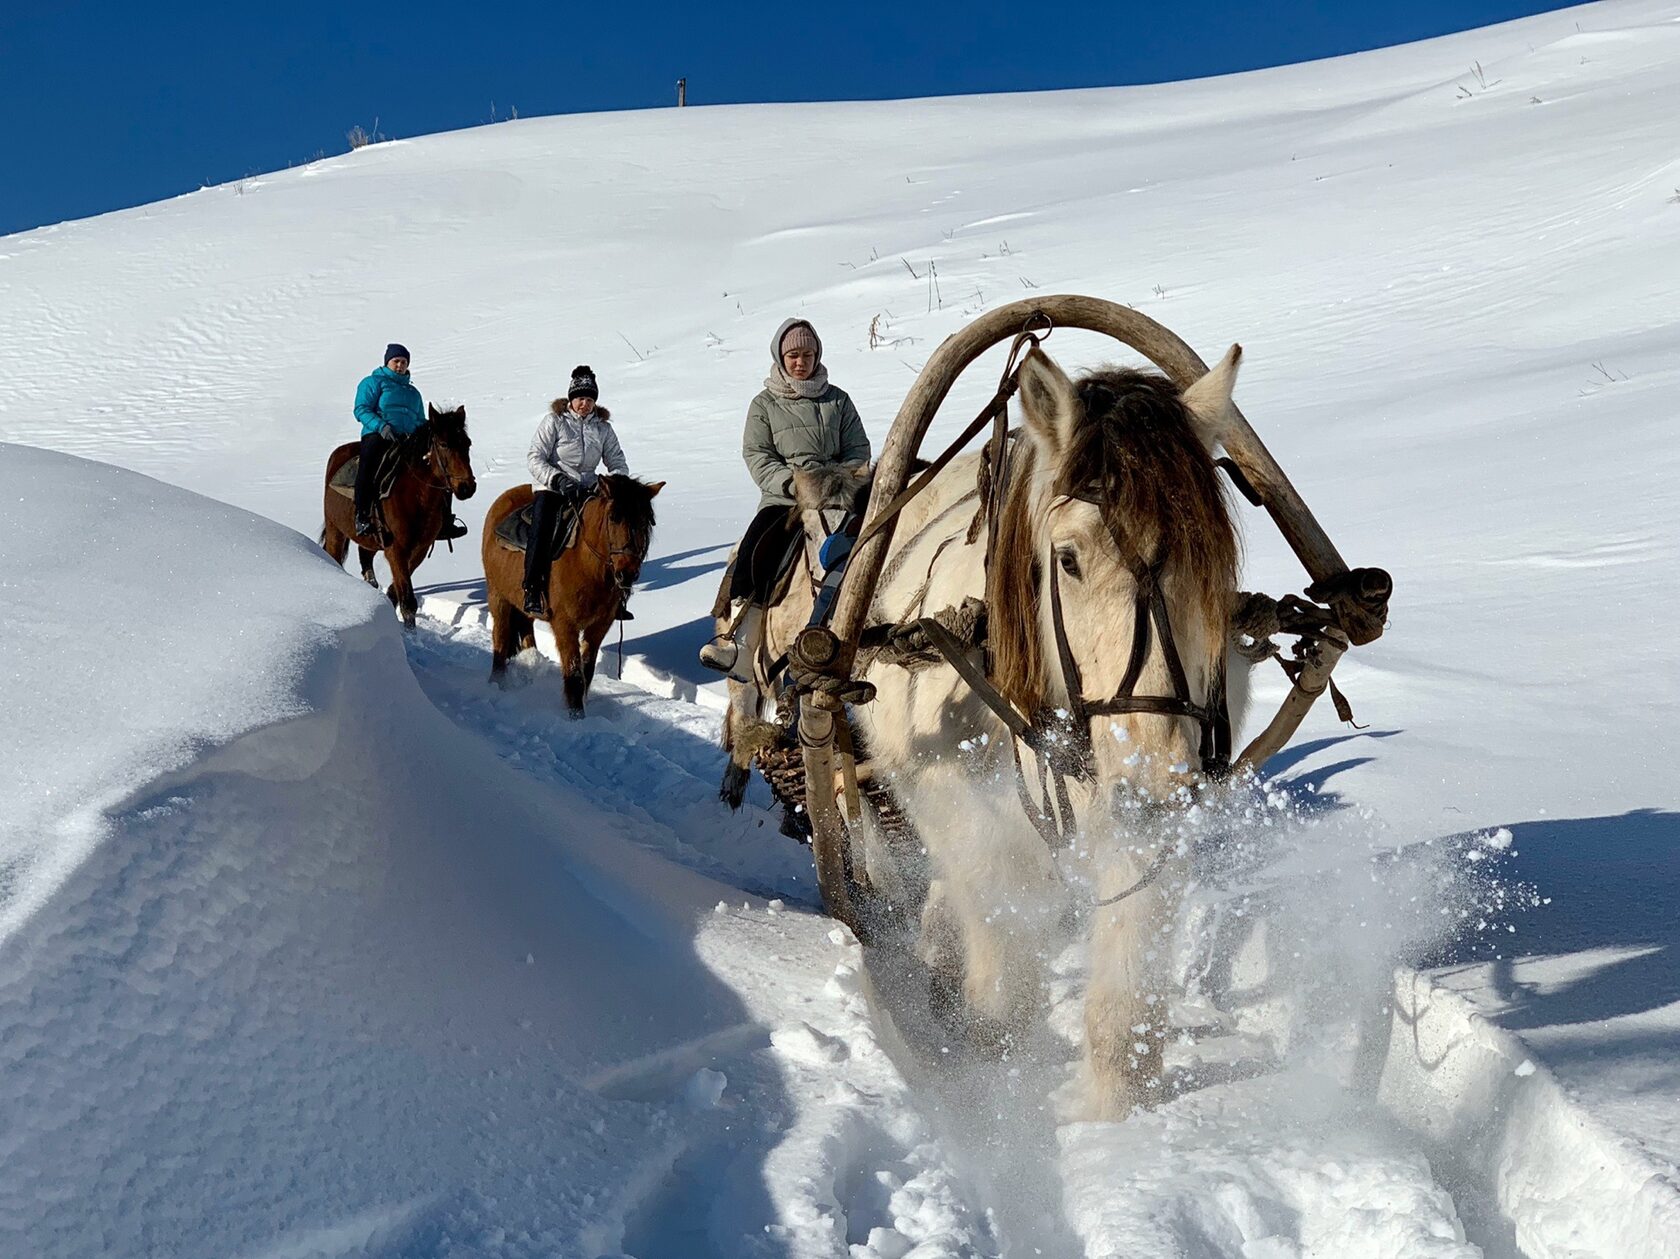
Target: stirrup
{"type": "Point", "coordinates": [453, 528]}
{"type": "Point", "coordinates": [536, 603]}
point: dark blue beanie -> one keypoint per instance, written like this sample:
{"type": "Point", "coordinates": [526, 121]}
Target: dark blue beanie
{"type": "Point", "coordinates": [396, 351]}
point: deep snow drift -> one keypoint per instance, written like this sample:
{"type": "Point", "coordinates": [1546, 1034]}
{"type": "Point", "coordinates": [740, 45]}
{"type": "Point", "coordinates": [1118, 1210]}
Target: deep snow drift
{"type": "Point", "coordinates": [1451, 266]}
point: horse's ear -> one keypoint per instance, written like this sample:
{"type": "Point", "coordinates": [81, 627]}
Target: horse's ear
{"type": "Point", "coordinates": [1051, 406]}
{"type": "Point", "coordinates": [431, 412]}
{"type": "Point", "coordinates": [653, 490]}
{"type": "Point", "coordinates": [1209, 399]}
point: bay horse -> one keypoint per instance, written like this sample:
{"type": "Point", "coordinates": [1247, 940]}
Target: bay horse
{"type": "Point", "coordinates": [587, 581]}
{"type": "Point", "coordinates": [433, 465]}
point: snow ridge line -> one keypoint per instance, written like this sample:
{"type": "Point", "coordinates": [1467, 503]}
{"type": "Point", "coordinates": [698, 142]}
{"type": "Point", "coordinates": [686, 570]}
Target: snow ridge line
{"type": "Point", "coordinates": [1492, 1115]}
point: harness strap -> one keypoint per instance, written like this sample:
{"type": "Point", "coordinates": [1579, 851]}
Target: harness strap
{"type": "Point", "coordinates": [890, 513]}
{"type": "Point", "coordinates": [956, 655]}
{"type": "Point", "coordinates": [995, 412]}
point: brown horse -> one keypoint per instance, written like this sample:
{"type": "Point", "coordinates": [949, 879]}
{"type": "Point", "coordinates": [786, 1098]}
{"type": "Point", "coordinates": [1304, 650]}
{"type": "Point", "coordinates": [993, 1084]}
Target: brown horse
{"type": "Point", "coordinates": [434, 465]}
{"type": "Point", "coordinates": [587, 582]}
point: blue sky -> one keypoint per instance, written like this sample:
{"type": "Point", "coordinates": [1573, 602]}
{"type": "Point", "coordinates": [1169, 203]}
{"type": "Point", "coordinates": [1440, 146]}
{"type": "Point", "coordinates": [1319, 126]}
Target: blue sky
{"type": "Point", "coordinates": [105, 105]}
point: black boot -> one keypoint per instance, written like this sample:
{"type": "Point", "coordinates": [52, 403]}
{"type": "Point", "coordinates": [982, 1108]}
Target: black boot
{"type": "Point", "coordinates": [452, 528]}
{"type": "Point", "coordinates": [536, 603]}
{"type": "Point", "coordinates": [624, 612]}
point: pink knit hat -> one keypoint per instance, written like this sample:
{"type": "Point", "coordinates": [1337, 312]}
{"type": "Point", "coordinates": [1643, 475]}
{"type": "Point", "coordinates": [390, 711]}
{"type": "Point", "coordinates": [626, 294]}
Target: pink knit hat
{"type": "Point", "coordinates": [800, 337]}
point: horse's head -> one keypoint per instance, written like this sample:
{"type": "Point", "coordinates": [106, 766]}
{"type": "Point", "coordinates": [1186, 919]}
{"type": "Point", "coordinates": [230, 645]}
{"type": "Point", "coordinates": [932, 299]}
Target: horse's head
{"type": "Point", "coordinates": [625, 524]}
{"type": "Point", "coordinates": [1115, 515]}
{"type": "Point", "coordinates": [448, 450]}
{"type": "Point", "coordinates": [824, 496]}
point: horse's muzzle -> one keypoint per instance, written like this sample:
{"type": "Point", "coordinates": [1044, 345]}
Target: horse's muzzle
{"type": "Point", "coordinates": [466, 489]}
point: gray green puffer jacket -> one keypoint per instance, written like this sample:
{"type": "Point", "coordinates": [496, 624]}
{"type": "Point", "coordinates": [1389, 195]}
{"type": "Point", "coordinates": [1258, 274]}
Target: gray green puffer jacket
{"type": "Point", "coordinates": [787, 433]}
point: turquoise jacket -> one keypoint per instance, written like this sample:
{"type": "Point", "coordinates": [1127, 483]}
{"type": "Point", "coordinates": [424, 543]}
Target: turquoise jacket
{"type": "Point", "coordinates": [387, 398]}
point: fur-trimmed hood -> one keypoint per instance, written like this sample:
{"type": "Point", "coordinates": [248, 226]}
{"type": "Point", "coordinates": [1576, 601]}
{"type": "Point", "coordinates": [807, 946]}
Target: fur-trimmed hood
{"type": "Point", "coordinates": [563, 407]}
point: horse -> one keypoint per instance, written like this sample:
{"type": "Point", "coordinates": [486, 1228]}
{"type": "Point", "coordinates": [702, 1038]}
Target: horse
{"type": "Point", "coordinates": [823, 497]}
{"type": "Point", "coordinates": [587, 582]}
{"type": "Point", "coordinates": [1107, 560]}
{"type": "Point", "coordinates": [433, 464]}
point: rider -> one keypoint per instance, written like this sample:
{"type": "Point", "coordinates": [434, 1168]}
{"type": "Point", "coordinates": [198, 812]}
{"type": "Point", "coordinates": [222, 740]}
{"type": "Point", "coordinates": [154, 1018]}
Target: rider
{"type": "Point", "coordinates": [390, 408]}
{"type": "Point", "coordinates": [571, 441]}
{"type": "Point", "coordinates": [799, 420]}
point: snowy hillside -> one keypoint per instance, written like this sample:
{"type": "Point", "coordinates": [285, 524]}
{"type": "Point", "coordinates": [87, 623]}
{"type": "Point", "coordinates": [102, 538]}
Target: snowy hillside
{"type": "Point", "coordinates": [310, 944]}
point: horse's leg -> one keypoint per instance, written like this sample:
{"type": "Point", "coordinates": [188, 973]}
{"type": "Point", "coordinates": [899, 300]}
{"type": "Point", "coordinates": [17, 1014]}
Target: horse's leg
{"type": "Point", "coordinates": [571, 663]}
{"type": "Point", "coordinates": [507, 623]}
{"type": "Point", "coordinates": [592, 637]}
{"type": "Point", "coordinates": [745, 735]}
{"type": "Point", "coordinates": [366, 555]}
{"type": "Point", "coordinates": [403, 559]}
{"type": "Point", "coordinates": [1125, 1005]}
{"type": "Point", "coordinates": [335, 543]}
{"type": "Point", "coordinates": [989, 907]}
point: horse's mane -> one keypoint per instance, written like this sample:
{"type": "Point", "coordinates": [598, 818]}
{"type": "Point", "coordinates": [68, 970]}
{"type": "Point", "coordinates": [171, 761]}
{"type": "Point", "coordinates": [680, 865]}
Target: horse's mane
{"type": "Point", "coordinates": [450, 424]}
{"type": "Point", "coordinates": [630, 504]}
{"type": "Point", "coordinates": [1135, 453]}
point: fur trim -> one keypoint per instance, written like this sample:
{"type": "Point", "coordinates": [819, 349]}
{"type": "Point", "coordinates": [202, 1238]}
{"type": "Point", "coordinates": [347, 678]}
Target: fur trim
{"type": "Point", "coordinates": [561, 407]}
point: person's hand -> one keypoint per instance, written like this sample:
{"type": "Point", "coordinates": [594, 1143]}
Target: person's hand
{"type": "Point", "coordinates": [560, 482]}
{"type": "Point", "coordinates": [588, 481]}
{"type": "Point", "coordinates": [387, 432]}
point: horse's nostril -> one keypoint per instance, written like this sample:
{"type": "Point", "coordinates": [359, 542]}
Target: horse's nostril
{"type": "Point", "coordinates": [468, 489]}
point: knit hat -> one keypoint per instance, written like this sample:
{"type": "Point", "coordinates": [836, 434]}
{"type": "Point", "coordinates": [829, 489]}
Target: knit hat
{"type": "Point", "coordinates": [395, 351]}
{"type": "Point", "coordinates": [583, 383]}
{"type": "Point", "coordinates": [801, 337]}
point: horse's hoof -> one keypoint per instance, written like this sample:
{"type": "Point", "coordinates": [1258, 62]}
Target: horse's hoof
{"type": "Point", "coordinates": [576, 714]}
{"type": "Point", "coordinates": [734, 788]}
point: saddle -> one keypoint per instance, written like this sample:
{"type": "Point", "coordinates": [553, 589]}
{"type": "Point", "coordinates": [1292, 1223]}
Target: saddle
{"type": "Point", "coordinates": [514, 530]}
{"type": "Point", "coordinates": [344, 480]}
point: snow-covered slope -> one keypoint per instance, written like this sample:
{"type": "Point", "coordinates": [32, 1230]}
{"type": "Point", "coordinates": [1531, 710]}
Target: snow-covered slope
{"type": "Point", "coordinates": [1452, 266]}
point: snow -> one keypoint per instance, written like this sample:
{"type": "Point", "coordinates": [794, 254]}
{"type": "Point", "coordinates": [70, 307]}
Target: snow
{"type": "Point", "coordinates": [311, 943]}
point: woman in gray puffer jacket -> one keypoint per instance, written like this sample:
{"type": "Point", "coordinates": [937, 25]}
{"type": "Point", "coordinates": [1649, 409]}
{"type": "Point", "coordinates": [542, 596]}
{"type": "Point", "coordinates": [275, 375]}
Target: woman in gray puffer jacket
{"type": "Point", "coordinates": [571, 441]}
{"type": "Point", "coordinates": [799, 420]}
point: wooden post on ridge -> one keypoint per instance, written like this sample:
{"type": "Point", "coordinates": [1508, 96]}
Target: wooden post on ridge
{"type": "Point", "coordinates": [682, 93]}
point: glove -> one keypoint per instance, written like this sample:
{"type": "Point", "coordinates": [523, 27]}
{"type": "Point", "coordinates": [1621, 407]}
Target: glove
{"type": "Point", "coordinates": [588, 481]}
{"type": "Point", "coordinates": [387, 432]}
{"type": "Point", "coordinates": [560, 483]}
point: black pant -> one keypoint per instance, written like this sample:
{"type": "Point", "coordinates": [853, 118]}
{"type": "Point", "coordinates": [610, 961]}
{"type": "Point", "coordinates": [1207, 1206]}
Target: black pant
{"type": "Point", "coordinates": [367, 472]}
{"type": "Point", "coordinates": [550, 508]}
{"type": "Point", "coordinates": [774, 535]}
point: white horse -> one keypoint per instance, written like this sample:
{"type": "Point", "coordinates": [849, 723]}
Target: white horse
{"type": "Point", "coordinates": [824, 497]}
{"type": "Point", "coordinates": [1112, 478]}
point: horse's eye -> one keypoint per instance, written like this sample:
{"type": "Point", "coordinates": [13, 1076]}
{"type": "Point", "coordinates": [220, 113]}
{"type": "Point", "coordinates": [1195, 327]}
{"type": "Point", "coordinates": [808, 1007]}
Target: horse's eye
{"type": "Point", "coordinates": [1069, 562]}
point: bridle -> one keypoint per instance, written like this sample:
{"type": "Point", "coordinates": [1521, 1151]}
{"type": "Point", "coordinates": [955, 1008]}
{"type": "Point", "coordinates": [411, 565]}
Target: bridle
{"type": "Point", "coordinates": [434, 460]}
{"type": "Point", "coordinates": [1062, 742]}
{"type": "Point", "coordinates": [621, 579]}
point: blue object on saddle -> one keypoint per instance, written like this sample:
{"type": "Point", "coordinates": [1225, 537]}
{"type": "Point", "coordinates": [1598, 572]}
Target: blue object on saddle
{"type": "Point", "coordinates": [835, 550]}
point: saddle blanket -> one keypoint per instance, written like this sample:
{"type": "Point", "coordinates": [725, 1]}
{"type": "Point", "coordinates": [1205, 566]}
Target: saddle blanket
{"type": "Point", "coordinates": [344, 480]}
{"type": "Point", "coordinates": [514, 531]}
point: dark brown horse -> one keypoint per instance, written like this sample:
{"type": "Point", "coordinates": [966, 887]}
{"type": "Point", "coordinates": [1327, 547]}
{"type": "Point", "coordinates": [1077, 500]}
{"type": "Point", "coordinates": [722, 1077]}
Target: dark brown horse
{"type": "Point", "coordinates": [587, 582]}
{"type": "Point", "coordinates": [434, 465]}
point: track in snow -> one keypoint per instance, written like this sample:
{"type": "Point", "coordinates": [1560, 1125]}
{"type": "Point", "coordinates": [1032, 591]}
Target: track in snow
{"type": "Point", "coordinates": [896, 1150]}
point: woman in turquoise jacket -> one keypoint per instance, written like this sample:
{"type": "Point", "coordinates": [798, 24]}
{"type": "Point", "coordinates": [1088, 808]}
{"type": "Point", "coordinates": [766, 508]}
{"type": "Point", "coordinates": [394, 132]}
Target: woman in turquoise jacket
{"type": "Point", "coordinates": [390, 408]}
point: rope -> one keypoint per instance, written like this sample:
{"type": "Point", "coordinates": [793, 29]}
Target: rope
{"type": "Point", "coordinates": [909, 645]}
